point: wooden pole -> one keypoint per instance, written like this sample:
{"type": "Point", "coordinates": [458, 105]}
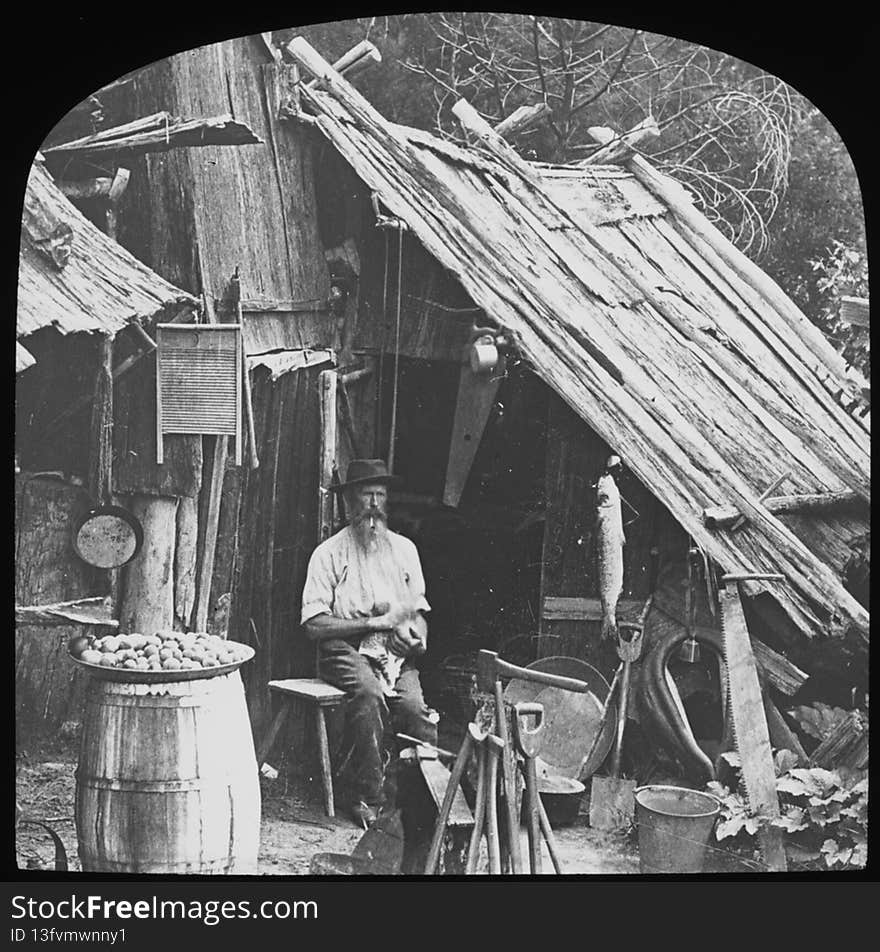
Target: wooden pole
{"type": "Point", "coordinates": [185, 554]}
{"type": "Point", "coordinates": [246, 382]}
{"type": "Point", "coordinates": [87, 188]}
{"type": "Point", "coordinates": [212, 519]}
{"type": "Point", "coordinates": [521, 119]}
{"type": "Point", "coordinates": [356, 60]}
{"type": "Point", "coordinates": [329, 380]}
{"type": "Point", "coordinates": [764, 495]}
{"type": "Point", "coordinates": [117, 187]}
{"type": "Point", "coordinates": [719, 517]}
{"type": "Point", "coordinates": [355, 375]}
{"type": "Point", "coordinates": [148, 603]}
{"type": "Point", "coordinates": [212, 522]}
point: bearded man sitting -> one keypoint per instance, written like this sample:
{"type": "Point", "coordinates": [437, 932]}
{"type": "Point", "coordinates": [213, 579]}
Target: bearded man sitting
{"type": "Point", "coordinates": [364, 604]}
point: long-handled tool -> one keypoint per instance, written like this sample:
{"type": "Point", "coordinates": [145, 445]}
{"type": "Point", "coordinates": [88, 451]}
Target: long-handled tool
{"type": "Point", "coordinates": [473, 735]}
{"type": "Point", "coordinates": [546, 829]}
{"type": "Point", "coordinates": [479, 809]}
{"type": "Point", "coordinates": [490, 670]}
{"type": "Point", "coordinates": [549, 838]}
{"type": "Point", "coordinates": [528, 742]}
{"type": "Point", "coordinates": [606, 712]}
{"type": "Point", "coordinates": [611, 798]}
{"type": "Point", "coordinates": [439, 751]}
{"type": "Point", "coordinates": [495, 750]}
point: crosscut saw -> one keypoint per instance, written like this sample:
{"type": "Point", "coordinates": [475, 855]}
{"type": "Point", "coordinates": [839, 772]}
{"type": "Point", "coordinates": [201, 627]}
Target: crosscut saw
{"type": "Point", "coordinates": [749, 723]}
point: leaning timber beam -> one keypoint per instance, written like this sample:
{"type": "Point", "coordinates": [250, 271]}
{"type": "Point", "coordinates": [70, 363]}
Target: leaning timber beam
{"type": "Point", "coordinates": [721, 517]}
{"type": "Point", "coordinates": [81, 611]}
{"type": "Point", "coordinates": [355, 61]}
{"type": "Point", "coordinates": [523, 118]}
{"type": "Point", "coordinates": [777, 670]}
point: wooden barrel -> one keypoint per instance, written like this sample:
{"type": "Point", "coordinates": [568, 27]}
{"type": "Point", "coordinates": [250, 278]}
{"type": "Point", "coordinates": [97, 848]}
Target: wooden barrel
{"type": "Point", "coordinates": [167, 778]}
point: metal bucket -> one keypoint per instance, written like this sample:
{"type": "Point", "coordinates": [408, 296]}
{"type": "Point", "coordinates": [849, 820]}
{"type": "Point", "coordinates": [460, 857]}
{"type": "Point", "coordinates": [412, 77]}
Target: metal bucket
{"type": "Point", "coordinates": [675, 825]}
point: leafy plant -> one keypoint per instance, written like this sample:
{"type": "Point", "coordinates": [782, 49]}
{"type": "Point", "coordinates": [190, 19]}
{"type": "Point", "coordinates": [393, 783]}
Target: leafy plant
{"type": "Point", "coordinates": [823, 813]}
{"type": "Point", "coordinates": [843, 269]}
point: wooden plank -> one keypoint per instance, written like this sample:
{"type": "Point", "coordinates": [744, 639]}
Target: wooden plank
{"type": "Point", "coordinates": [476, 397]}
{"type": "Point", "coordinates": [329, 384]}
{"type": "Point", "coordinates": [157, 133]}
{"type": "Point", "coordinates": [80, 611]}
{"type": "Point", "coordinates": [437, 779]}
{"type": "Point", "coordinates": [523, 118]}
{"type": "Point", "coordinates": [855, 311]}
{"type": "Point", "coordinates": [265, 305]}
{"type": "Point", "coordinates": [779, 672]}
{"type": "Point", "coordinates": [845, 746]}
{"type": "Point", "coordinates": [563, 608]}
{"type": "Point", "coordinates": [750, 726]}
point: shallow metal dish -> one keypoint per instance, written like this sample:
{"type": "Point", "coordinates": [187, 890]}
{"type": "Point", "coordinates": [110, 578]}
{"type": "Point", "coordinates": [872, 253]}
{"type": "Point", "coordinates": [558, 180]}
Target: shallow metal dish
{"type": "Point", "coordinates": [107, 537]}
{"type": "Point", "coordinates": [571, 719]}
{"type": "Point", "coordinates": [136, 676]}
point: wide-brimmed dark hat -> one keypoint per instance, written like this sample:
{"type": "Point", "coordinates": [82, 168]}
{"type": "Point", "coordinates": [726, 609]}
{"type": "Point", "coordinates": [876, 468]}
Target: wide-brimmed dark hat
{"type": "Point", "coordinates": [365, 471]}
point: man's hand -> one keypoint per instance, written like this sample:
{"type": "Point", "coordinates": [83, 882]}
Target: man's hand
{"type": "Point", "coordinates": [404, 639]}
{"type": "Point", "coordinates": [391, 617]}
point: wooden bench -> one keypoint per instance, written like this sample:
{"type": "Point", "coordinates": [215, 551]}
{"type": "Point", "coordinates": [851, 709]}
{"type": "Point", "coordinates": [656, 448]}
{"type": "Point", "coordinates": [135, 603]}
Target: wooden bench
{"type": "Point", "coordinates": [321, 696]}
{"type": "Point", "coordinates": [461, 820]}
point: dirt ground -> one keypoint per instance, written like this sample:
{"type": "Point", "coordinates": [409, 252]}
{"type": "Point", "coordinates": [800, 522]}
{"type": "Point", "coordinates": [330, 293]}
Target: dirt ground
{"type": "Point", "coordinates": [293, 827]}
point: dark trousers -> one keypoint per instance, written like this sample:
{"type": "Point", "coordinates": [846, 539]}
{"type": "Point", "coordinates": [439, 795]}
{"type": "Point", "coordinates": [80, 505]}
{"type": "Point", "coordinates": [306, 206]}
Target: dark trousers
{"type": "Point", "coordinates": [369, 715]}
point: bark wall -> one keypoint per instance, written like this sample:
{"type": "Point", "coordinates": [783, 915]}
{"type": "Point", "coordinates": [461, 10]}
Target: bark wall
{"type": "Point", "coordinates": [195, 215]}
{"type": "Point", "coordinates": [48, 686]}
{"type": "Point", "coordinates": [268, 547]}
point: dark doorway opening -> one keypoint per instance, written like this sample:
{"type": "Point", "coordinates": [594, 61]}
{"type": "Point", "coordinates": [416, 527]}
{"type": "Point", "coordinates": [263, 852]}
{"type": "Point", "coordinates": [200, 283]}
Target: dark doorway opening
{"type": "Point", "coordinates": [481, 559]}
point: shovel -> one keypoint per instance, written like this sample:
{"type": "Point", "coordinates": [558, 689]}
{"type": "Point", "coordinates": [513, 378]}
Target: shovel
{"type": "Point", "coordinates": [612, 805]}
{"type": "Point", "coordinates": [379, 852]}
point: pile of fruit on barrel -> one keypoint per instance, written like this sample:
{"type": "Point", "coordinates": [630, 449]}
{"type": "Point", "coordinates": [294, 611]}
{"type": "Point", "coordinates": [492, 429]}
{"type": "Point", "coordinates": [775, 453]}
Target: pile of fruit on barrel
{"type": "Point", "coordinates": [163, 651]}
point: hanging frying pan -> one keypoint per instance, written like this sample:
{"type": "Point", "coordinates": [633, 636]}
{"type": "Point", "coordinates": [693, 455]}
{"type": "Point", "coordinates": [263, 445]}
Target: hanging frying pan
{"type": "Point", "coordinates": [107, 537]}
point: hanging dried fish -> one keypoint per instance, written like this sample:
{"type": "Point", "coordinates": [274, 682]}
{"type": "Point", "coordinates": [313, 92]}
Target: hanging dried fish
{"type": "Point", "coordinates": [610, 538]}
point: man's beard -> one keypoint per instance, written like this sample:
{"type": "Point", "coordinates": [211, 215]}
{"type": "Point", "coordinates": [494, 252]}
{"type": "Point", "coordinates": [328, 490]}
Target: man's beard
{"type": "Point", "coordinates": [370, 526]}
